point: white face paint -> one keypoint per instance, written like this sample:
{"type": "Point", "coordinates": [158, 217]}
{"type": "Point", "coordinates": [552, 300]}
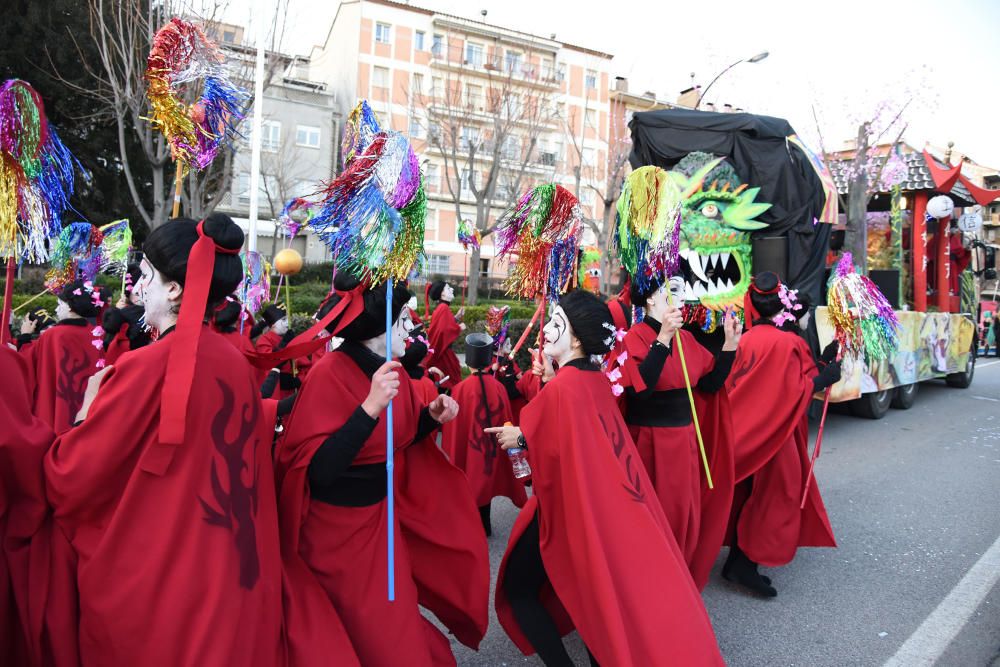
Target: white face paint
{"type": "Point", "coordinates": [400, 332]}
{"type": "Point", "coordinates": [804, 320]}
{"type": "Point", "coordinates": [448, 293]}
{"type": "Point", "coordinates": [63, 310]}
{"type": "Point", "coordinates": [280, 327]}
{"type": "Point", "coordinates": [155, 296]}
{"type": "Point", "coordinates": [558, 337]}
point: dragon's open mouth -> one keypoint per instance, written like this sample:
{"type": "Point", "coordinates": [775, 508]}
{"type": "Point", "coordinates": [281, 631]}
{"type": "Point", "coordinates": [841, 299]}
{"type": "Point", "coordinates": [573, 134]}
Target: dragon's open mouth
{"type": "Point", "coordinates": [710, 275]}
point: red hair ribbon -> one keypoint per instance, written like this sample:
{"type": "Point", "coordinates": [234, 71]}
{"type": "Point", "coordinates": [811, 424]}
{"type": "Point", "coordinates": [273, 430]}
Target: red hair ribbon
{"type": "Point", "coordinates": [749, 312]}
{"type": "Point", "coordinates": [183, 356]}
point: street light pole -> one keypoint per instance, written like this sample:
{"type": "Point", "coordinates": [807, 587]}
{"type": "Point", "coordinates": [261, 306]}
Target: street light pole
{"type": "Point", "coordinates": [756, 59]}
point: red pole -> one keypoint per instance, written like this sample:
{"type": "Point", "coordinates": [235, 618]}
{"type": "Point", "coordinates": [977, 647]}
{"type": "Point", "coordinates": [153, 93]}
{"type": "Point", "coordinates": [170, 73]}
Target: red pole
{"type": "Point", "coordinates": [918, 242]}
{"type": "Point", "coordinates": [8, 295]}
{"type": "Point", "coordinates": [819, 444]}
{"type": "Point", "coordinates": [943, 260]}
{"type": "Point", "coordinates": [465, 278]}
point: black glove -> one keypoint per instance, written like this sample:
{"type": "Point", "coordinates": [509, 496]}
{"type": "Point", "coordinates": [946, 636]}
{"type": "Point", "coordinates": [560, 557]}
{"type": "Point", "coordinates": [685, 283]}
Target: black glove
{"type": "Point", "coordinates": [288, 381]}
{"type": "Point", "coordinates": [828, 376]}
{"type": "Point", "coordinates": [830, 352]}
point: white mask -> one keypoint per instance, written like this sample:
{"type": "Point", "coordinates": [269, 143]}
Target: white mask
{"type": "Point", "coordinates": [280, 327]}
{"type": "Point", "coordinates": [448, 293]}
{"type": "Point", "coordinates": [558, 337]}
{"type": "Point", "coordinates": [63, 310]}
{"type": "Point", "coordinates": [155, 295]}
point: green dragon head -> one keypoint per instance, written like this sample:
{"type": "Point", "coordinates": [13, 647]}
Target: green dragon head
{"type": "Point", "coordinates": [718, 214]}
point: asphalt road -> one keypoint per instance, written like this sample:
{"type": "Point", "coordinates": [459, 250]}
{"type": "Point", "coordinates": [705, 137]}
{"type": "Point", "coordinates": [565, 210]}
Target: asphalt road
{"type": "Point", "coordinates": [913, 499]}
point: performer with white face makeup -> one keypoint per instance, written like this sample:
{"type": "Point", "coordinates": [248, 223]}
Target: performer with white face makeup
{"type": "Point", "coordinates": [592, 548]}
{"type": "Point", "coordinates": [658, 414]}
{"type": "Point", "coordinates": [443, 331]}
{"type": "Point", "coordinates": [332, 460]}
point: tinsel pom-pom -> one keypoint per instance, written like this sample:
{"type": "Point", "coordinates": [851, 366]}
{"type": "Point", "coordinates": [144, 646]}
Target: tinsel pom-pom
{"type": "Point", "coordinates": [361, 127]}
{"type": "Point", "coordinates": [77, 255]}
{"type": "Point", "coordinates": [115, 246]}
{"type": "Point", "coordinates": [864, 321]}
{"type": "Point", "coordinates": [497, 321]}
{"type": "Point", "coordinates": [256, 287]}
{"type": "Point", "coordinates": [647, 233]}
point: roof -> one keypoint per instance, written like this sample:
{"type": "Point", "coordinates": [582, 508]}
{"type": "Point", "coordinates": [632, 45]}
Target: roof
{"type": "Point", "coordinates": [918, 177]}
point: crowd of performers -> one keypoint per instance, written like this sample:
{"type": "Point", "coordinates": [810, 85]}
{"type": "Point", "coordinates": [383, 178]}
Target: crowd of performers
{"type": "Point", "coordinates": [184, 485]}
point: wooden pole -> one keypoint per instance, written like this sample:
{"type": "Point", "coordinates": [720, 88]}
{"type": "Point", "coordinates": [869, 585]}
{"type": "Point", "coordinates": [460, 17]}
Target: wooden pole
{"type": "Point", "coordinates": [8, 295]}
{"type": "Point", "coordinates": [178, 185]}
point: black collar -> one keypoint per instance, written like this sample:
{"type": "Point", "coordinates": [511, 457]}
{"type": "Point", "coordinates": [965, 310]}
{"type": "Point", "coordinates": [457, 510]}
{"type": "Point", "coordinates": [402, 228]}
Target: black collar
{"type": "Point", "coordinates": [163, 334]}
{"type": "Point", "coordinates": [654, 324]}
{"type": "Point", "coordinates": [583, 364]}
{"type": "Point", "coordinates": [762, 321]}
{"type": "Point", "coordinates": [366, 360]}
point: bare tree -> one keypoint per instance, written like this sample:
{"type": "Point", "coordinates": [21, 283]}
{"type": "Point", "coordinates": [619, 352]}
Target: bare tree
{"type": "Point", "coordinates": [863, 172]}
{"type": "Point", "coordinates": [123, 31]}
{"type": "Point", "coordinates": [487, 130]}
{"type": "Point", "coordinates": [619, 148]}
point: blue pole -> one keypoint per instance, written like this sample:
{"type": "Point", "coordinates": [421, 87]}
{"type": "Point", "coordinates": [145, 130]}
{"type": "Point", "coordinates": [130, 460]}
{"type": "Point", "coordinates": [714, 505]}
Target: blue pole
{"type": "Point", "coordinates": [389, 453]}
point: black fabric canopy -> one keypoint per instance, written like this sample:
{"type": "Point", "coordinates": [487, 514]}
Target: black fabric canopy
{"type": "Point", "coordinates": [757, 149]}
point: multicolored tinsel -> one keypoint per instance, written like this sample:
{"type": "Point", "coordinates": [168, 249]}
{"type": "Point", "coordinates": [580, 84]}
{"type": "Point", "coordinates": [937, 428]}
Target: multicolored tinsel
{"type": "Point", "coordinates": [361, 127]}
{"type": "Point", "coordinates": [182, 54]}
{"type": "Point", "coordinates": [497, 321]}
{"type": "Point", "coordinates": [36, 175]}
{"type": "Point", "coordinates": [543, 231]}
{"type": "Point", "coordinates": [76, 255]}
{"type": "Point", "coordinates": [115, 247]}
{"type": "Point", "coordinates": [862, 317]}
{"type": "Point", "coordinates": [647, 233]}
{"type": "Point", "coordinates": [256, 285]}
{"type": "Point", "coordinates": [372, 215]}
{"type": "Point", "coordinates": [296, 213]}
{"type": "Point", "coordinates": [468, 236]}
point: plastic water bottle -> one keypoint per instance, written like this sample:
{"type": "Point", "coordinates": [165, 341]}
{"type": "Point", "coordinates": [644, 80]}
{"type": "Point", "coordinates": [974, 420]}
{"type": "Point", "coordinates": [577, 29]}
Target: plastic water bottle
{"type": "Point", "coordinates": [519, 460]}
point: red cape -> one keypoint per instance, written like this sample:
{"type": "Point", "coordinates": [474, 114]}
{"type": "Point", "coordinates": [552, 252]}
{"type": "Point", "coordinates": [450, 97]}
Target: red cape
{"type": "Point", "coordinates": [609, 554]}
{"type": "Point", "coordinates": [770, 387]}
{"type": "Point", "coordinates": [62, 359]}
{"type": "Point", "coordinates": [118, 346]}
{"type": "Point", "coordinates": [180, 568]}
{"type": "Point", "coordinates": [475, 452]}
{"type": "Point", "coordinates": [441, 334]}
{"type": "Point", "coordinates": [335, 557]}
{"type": "Point", "coordinates": [37, 599]}
{"type": "Point", "coordinates": [699, 528]}
{"type": "Point", "coordinates": [425, 389]}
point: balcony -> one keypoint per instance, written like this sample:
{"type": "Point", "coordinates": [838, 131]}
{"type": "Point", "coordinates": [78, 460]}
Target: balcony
{"type": "Point", "coordinates": [522, 73]}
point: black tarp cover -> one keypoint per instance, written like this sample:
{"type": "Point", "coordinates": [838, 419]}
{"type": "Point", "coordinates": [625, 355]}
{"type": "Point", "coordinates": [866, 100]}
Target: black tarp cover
{"type": "Point", "coordinates": [756, 147]}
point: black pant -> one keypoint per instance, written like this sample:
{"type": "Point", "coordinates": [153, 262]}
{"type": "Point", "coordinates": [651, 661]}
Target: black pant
{"type": "Point", "coordinates": [522, 584]}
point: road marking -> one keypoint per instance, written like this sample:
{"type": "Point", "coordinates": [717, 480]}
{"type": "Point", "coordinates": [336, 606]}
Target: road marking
{"type": "Point", "coordinates": [992, 363]}
{"type": "Point", "coordinates": [931, 639]}
{"type": "Point", "coordinates": [987, 398]}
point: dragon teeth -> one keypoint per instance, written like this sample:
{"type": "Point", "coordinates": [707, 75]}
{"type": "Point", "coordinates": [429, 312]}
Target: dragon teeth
{"type": "Point", "coordinates": [688, 292]}
{"type": "Point", "coordinates": [698, 265]}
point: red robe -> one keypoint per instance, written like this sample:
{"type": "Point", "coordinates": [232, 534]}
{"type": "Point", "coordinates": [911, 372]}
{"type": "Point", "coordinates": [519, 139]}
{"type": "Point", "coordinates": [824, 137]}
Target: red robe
{"type": "Point", "coordinates": [443, 332]}
{"type": "Point", "coordinates": [62, 359]}
{"type": "Point", "coordinates": [181, 568]}
{"type": "Point", "coordinates": [266, 344]}
{"type": "Point", "coordinates": [770, 387]}
{"type": "Point", "coordinates": [671, 454]}
{"type": "Point", "coordinates": [335, 557]}
{"type": "Point", "coordinates": [486, 466]}
{"type": "Point", "coordinates": [25, 527]}
{"type": "Point", "coordinates": [425, 390]}
{"type": "Point", "coordinates": [615, 570]}
{"type": "Point", "coordinates": [240, 341]}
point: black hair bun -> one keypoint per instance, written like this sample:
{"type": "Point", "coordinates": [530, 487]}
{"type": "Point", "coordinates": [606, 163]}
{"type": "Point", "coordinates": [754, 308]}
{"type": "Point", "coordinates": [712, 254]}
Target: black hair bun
{"type": "Point", "coordinates": [82, 303]}
{"type": "Point", "coordinates": [345, 281]}
{"type": "Point", "coordinates": [226, 233]}
{"type": "Point", "coordinates": [591, 321]}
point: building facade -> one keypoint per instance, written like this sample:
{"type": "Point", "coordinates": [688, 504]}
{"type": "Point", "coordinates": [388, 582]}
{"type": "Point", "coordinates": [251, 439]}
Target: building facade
{"type": "Point", "coordinates": [487, 108]}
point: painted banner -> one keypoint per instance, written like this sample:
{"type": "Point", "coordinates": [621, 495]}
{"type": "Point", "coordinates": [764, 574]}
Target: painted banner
{"type": "Point", "coordinates": [931, 345]}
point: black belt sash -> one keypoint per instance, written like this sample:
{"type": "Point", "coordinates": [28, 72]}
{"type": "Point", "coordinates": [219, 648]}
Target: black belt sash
{"type": "Point", "coordinates": [660, 408]}
{"type": "Point", "coordinates": [359, 486]}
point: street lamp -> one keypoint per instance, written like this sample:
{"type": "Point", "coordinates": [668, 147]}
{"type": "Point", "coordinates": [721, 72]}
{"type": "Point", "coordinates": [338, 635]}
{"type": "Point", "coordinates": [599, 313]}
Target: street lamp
{"type": "Point", "coordinates": [756, 59]}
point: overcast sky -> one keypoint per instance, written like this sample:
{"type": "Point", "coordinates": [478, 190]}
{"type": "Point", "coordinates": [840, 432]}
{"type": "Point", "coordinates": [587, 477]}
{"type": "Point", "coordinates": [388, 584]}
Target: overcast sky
{"type": "Point", "coordinates": [843, 56]}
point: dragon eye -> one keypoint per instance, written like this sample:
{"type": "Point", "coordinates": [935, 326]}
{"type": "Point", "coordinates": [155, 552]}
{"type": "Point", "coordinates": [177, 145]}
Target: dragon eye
{"type": "Point", "coordinates": [710, 211]}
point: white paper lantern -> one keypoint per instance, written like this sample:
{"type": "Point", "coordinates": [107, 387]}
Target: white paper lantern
{"type": "Point", "coordinates": [940, 207]}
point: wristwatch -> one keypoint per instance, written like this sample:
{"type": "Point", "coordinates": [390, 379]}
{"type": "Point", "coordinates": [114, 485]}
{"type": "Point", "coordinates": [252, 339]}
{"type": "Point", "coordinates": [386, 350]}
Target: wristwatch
{"type": "Point", "coordinates": [521, 442]}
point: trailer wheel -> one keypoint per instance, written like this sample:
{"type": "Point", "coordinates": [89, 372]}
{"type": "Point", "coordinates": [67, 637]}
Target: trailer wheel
{"type": "Point", "coordinates": [964, 379]}
{"type": "Point", "coordinates": [905, 396]}
{"type": "Point", "coordinates": [872, 406]}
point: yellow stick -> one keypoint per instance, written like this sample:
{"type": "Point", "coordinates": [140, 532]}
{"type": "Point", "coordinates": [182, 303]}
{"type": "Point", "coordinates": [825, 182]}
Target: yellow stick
{"type": "Point", "coordinates": [178, 184]}
{"type": "Point", "coordinates": [288, 314]}
{"type": "Point", "coordinates": [43, 292]}
{"type": "Point", "coordinates": [694, 411]}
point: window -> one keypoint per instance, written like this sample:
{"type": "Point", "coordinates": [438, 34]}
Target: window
{"type": "Point", "coordinates": [434, 131]}
{"type": "Point", "coordinates": [306, 135]}
{"type": "Point", "coordinates": [512, 62]}
{"type": "Point", "coordinates": [548, 69]}
{"type": "Point", "coordinates": [270, 135]}
{"type": "Point", "coordinates": [418, 85]}
{"type": "Point", "coordinates": [561, 72]}
{"type": "Point", "coordinates": [438, 264]}
{"type": "Point", "coordinates": [587, 197]}
{"type": "Point", "coordinates": [382, 33]}
{"type": "Point", "coordinates": [590, 118]}
{"type": "Point", "coordinates": [416, 127]}
{"type": "Point", "coordinates": [381, 77]}
{"type": "Point", "coordinates": [438, 45]}
{"type": "Point", "coordinates": [267, 185]}
{"type": "Point", "coordinates": [511, 148]}
{"type": "Point", "coordinates": [474, 54]}
{"type": "Point", "coordinates": [229, 36]}
{"type": "Point", "coordinates": [511, 107]}
{"type": "Point", "coordinates": [589, 157]}
{"type": "Point", "coordinates": [432, 178]}
{"type": "Point", "coordinates": [468, 181]}
{"type": "Point", "coordinates": [437, 88]}
{"type": "Point", "coordinates": [591, 80]}
{"type": "Point", "coordinates": [484, 267]}
{"type": "Point", "coordinates": [470, 137]}
{"type": "Point", "coordinates": [431, 220]}
{"type": "Point", "coordinates": [419, 40]}
{"type": "Point", "coordinates": [474, 97]}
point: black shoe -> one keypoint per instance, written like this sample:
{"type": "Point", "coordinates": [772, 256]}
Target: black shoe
{"type": "Point", "coordinates": [742, 571]}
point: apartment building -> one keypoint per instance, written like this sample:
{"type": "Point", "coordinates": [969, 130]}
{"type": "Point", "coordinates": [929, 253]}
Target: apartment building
{"type": "Point", "coordinates": [471, 94]}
